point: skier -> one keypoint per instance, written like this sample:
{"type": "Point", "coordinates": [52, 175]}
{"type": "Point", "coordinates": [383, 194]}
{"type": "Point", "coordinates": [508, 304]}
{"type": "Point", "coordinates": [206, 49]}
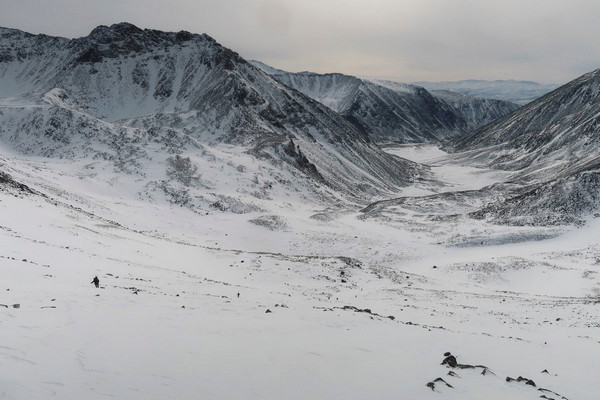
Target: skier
{"type": "Point", "coordinates": [96, 281]}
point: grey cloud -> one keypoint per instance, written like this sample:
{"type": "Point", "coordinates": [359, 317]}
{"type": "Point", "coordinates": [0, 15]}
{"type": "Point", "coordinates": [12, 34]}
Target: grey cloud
{"type": "Point", "coordinates": [406, 40]}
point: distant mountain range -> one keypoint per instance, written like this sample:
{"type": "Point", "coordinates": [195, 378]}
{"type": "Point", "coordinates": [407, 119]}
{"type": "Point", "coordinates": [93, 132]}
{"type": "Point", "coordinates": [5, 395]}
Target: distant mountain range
{"type": "Point", "coordinates": [392, 112]}
{"type": "Point", "coordinates": [519, 92]}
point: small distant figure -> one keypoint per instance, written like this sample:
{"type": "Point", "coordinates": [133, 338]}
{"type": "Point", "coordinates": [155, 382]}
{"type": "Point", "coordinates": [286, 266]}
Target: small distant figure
{"type": "Point", "coordinates": [96, 282]}
{"type": "Point", "coordinates": [238, 295]}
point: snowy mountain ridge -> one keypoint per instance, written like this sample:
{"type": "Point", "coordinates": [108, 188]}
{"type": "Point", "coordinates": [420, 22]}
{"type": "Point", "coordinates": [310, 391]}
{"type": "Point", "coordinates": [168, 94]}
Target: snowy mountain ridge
{"type": "Point", "coordinates": [393, 112]}
{"type": "Point", "coordinates": [134, 98]}
{"type": "Point", "coordinates": [551, 146]}
{"type": "Point", "coordinates": [555, 129]}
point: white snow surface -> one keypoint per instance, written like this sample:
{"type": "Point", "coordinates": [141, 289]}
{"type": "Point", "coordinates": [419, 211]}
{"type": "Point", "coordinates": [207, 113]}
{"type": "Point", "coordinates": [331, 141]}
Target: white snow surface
{"type": "Point", "coordinates": [167, 322]}
{"type": "Point", "coordinates": [455, 175]}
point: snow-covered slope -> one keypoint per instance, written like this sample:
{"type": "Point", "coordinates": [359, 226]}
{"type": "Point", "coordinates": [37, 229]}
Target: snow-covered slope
{"type": "Point", "coordinates": [300, 304]}
{"type": "Point", "coordinates": [391, 111]}
{"type": "Point", "coordinates": [554, 132]}
{"type": "Point", "coordinates": [519, 92]}
{"type": "Point", "coordinates": [476, 111]}
{"type": "Point", "coordinates": [566, 200]}
{"type": "Point", "coordinates": [108, 95]}
{"type": "Point", "coordinates": [28, 62]}
{"type": "Point", "coordinates": [553, 146]}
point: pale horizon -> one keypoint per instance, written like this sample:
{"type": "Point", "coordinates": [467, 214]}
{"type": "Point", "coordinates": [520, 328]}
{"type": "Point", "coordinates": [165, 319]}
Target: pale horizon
{"type": "Point", "coordinates": [406, 41]}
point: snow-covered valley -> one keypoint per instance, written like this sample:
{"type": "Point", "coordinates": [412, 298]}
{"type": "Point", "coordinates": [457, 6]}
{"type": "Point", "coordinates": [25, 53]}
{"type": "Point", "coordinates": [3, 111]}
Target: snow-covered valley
{"type": "Point", "coordinates": [360, 304]}
{"type": "Point", "coordinates": [253, 239]}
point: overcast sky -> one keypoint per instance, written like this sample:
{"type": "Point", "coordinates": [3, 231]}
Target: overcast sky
{"type": "Point", "coordinates": [549, 41]}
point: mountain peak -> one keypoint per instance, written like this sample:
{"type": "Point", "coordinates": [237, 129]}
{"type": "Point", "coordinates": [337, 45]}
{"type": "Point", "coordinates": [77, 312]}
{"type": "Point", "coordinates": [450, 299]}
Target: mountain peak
{"type": "Point", "coordinates": [117, 32]}
{"type": "Point", "coordinates": [125, 38]}
{"type": "Point", "coordinates": [124, 27]}
{"type": "Point", "coordinates": [133, 37]}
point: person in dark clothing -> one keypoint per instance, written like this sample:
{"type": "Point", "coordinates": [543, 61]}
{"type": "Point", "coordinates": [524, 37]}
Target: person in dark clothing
{"type": "Point", "coordinates": [96, 281]}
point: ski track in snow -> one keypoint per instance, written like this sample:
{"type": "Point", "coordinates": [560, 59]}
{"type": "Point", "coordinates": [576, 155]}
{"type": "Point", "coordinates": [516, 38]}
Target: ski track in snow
{"type": "Point", "coordinates": [167, 321]}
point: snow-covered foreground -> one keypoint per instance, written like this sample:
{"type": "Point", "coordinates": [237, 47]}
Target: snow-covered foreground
{"type": "Point", "coordinates": [167, 322]}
